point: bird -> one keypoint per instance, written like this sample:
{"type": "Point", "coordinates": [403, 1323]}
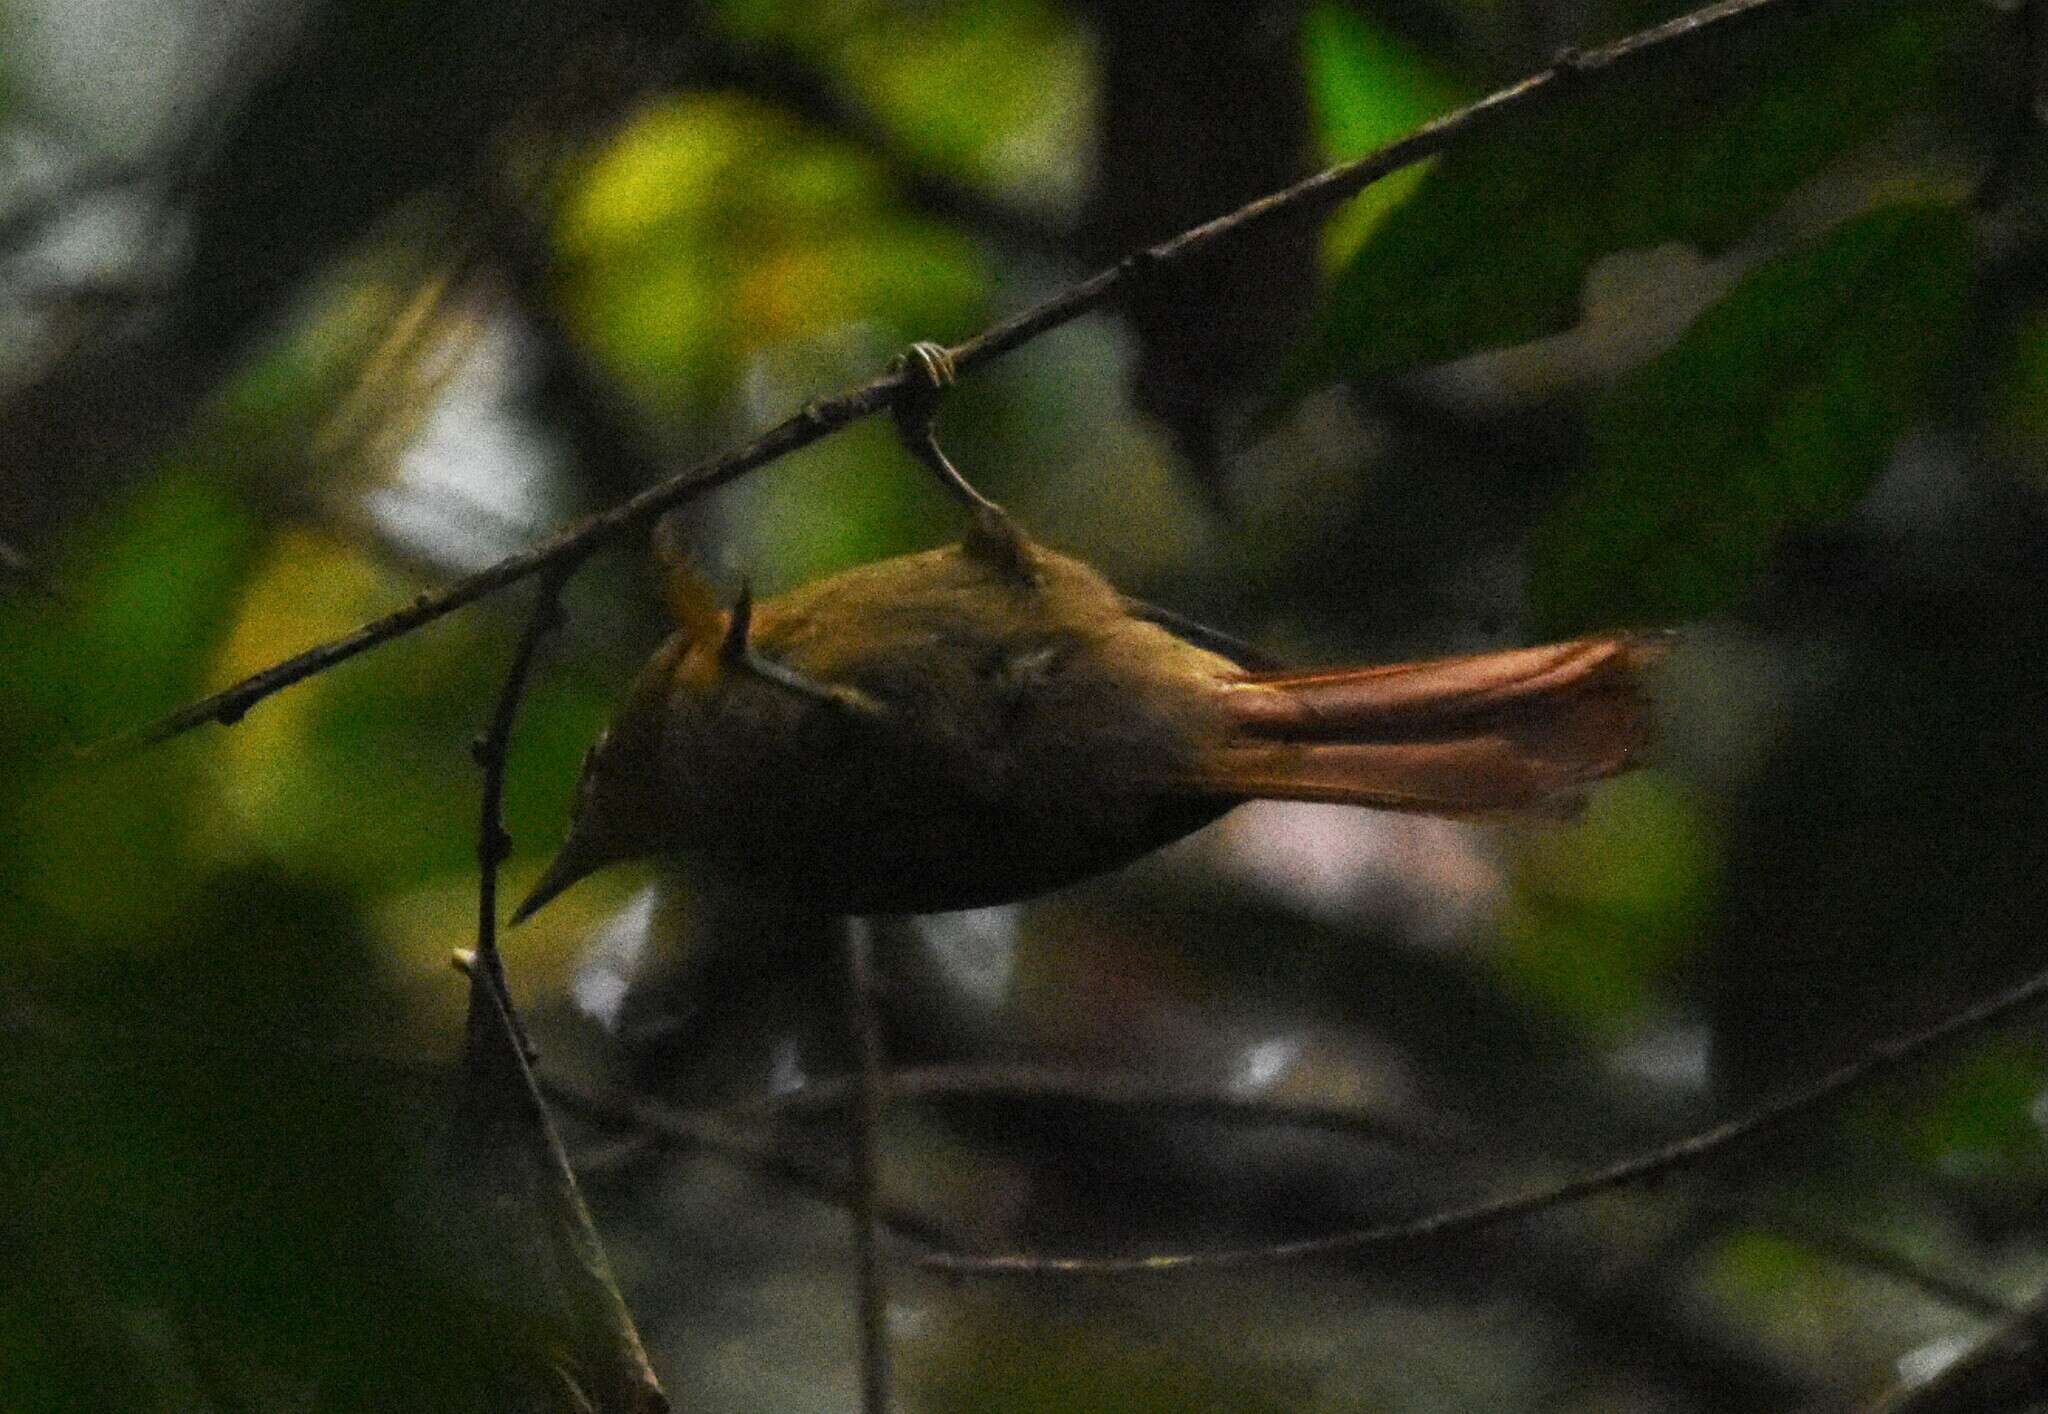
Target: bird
{"type": "Point", "coordinates": [992, 720]}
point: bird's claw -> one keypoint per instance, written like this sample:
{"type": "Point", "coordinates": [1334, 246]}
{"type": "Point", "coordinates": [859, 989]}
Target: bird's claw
{"type": "Point", "coordinates": [927, 370]}
{"type": "Point", "coordinates": [739, 654]}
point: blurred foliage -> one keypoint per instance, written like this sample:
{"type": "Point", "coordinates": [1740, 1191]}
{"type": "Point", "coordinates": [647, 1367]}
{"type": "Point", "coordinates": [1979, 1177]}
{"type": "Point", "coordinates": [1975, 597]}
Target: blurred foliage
{"type": "Point", "coordinates": [713, 229]}
{"type": "Point", "coordinates": [1004, 1365]}
{"type": "Point", "coordinates": [210, 1215]}
{"type": "Point", "coordinates": [1889, 859]}
{"type": "Point", "coordinates": [1492, 248]}
{"type": "Point", "coordinates": [1604, 912]}
{"type": "Point", "coordinates": [1777, 410]}
{"type": "Point", "coordinates": [1755, 342]}
{"type": "Point", "coordinates": [1985, 1120]}
{"type": "Point", "coordinates": [995, 92]}
{"type": "Point", "coordinates": [207, 1199]}
{"type": "Point", "coordinates": [131, 641]}
{"type": "Point", "coordinates": [2021, 416]}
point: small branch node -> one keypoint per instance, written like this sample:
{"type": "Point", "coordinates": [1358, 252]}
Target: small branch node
{"type": "Point", "coordinates": [501, 1105]}
{"type": "Point", "coordinates": [497, 847]}
{"type": "Point", "coordinates": [1140, 271]}
{"type": "Point", "coordinates": [1571, 62]}
{"type": "Point", "coordinates": [994, 539]}
{"type": "Point", "coordinates": [925, 370]}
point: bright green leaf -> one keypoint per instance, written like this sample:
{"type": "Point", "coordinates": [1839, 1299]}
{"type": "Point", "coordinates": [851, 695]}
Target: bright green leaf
{"type": "Point", "coordinates": [715, 230]}
{"type": "Point", "coordinates": [1367, 89]}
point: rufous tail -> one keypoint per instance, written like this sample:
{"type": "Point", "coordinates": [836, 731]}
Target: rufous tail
{"type": "Point", "coordinates": [1487, 734]}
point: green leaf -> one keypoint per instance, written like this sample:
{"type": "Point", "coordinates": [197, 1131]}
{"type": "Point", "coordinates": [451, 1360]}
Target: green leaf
{"type": "Point", "coordinates": [1777, 409]}
{"type": "Point", "coordinates": [381, 793]}
{"type": "Point", "coordinates": [1366, 89]}
{"type": "Point", "coordinates": [148, 593]}
{"type": "Point", "coordinates": [1492, 248]}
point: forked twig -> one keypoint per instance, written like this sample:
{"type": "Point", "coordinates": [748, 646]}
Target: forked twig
{"type": "Point", "coordinates": [529, 1183]}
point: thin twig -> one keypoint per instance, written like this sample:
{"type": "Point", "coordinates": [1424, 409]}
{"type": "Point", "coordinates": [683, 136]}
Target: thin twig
{"type": "Point", "coordinates": [1107, 1090]}
{"type": "Point", "coordinates": [608, 1352]}
{"type": "Point", "coordinates": [867, 1137]}
{"type": "Point", "coordinates": [490, 750]}
{"type": "Point", "coordinates": [1575, 70]}
{"type": "Point", "coordinates": [642, 1116]}
{"type": "Point", "coordinates": [1879, 1061]}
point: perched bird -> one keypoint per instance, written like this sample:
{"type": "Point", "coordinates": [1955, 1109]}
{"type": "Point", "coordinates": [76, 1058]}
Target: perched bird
{"type": "Point", "coordinates": [992, 720]}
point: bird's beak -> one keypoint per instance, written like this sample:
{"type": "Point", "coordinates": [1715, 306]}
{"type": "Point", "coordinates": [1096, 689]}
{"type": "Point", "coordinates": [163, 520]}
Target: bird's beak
{"type": "Point", "coordinates": [570, 864]}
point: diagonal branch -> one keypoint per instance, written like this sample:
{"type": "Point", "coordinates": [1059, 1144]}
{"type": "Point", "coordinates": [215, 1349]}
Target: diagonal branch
{"type": "Point", "coordinates": [1881, 1060]}
{"type": "Point", "coordinates": [1574, 69]}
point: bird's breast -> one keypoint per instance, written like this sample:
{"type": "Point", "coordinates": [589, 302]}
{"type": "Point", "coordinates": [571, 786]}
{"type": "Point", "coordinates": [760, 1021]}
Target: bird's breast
{"type": "Point", "coordinates": [993, 770]}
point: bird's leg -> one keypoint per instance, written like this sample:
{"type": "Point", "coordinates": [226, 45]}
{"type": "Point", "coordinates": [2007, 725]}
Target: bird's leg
{"type": "Point", "coordinates": [991, 535]}
{"type": "Point", "coordinates": [739, 654]}
{"type": "Point", "coordinates": [928, 371]}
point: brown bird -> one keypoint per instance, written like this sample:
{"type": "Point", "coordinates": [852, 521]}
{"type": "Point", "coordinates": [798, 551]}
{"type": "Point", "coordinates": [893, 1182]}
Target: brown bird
{"type": "Point", "coordinates": [992, 720]}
